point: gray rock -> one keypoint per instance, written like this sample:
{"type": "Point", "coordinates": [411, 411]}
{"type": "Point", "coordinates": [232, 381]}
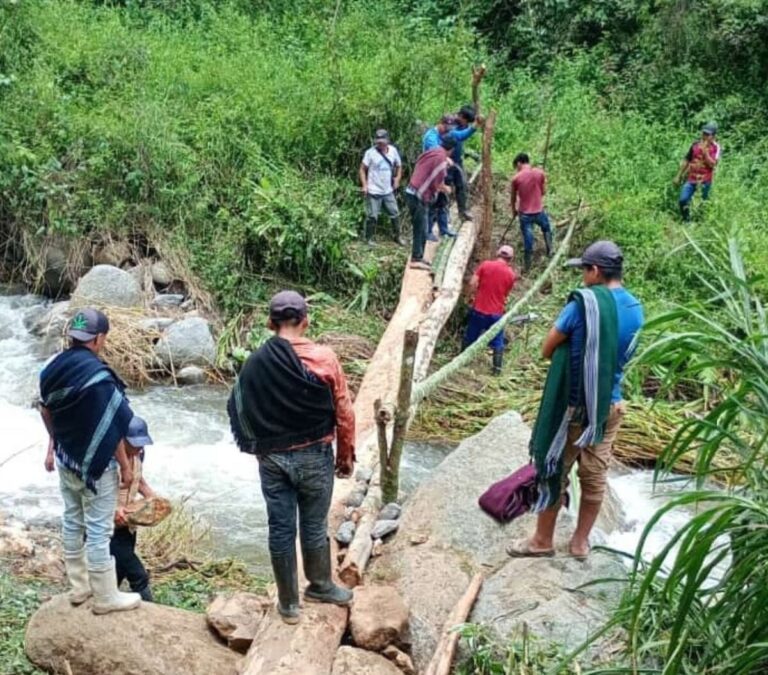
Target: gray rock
{"type": "Point", "coordinates": [188, 305]}
{"type": "Point", "coordinates": [364, 474]}
{"type": "Point", "coordinates": [52, 322]}
{"type": "Point", "coordinates": [108, 285]}
{"type": "Point", "coordinates": [191, 375]}
{"type": "Point", "coordinates": [346, 532]}
{"type": "Point", "coordinates": [137, 272]}
{"type": "Point", "coordinates": [161, 274]}
{"type": "Point", "coordinates": [382, 528]}
{"type": "Point", "coordinates": [187, 343]}
{"type": "Point", "coordinates": [167, 300]}
{"type": "Point", "coordinates": [390, 512]}
{"type": "Point", "coordinates": [156, 323]}
{"type": "Point", "coordinates": [355, 498]}
{"type": "Point", "coordinates": [113, 253]}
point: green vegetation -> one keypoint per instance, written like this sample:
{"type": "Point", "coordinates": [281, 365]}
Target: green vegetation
{"type": "Point", "coordinates": [20, 599]}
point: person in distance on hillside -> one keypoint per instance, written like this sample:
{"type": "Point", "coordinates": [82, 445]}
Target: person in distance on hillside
{"type": "Point", "coordinates": [380, 173]}
{"type": "Point", "coordinates": [439, 211]}
{"type": "Point", "coordinates": [581, 408]}
{"type": "Point", "coordinates": [698, 166]}
{"type": "Point", "coordinates": [427, 181]}
{"type": "Point", "coordinates": [288, 402]}
{"type": "Point", "coordinates": [466, 125]}
{"type": "Point", "coordinates": [529, 185]}
{"type": "Point", "coordinates": [489, 288]}
{"type": "Point", "coordinates": [87, 415]}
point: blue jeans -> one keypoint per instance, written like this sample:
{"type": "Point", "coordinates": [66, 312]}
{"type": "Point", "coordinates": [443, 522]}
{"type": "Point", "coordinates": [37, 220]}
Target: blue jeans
{"type": "Point", "coordinates": [686, 195]}
{"type": "Point", "coordinates": [297, 480]}
{"type": "Point", "coordinates": [439, 212]}
{"type": "Point", "coordinates": [420, 221]}
{"type": "Point", "coordinates": [527, 221]}
{"type": "Point", "coordinates": [477, 324]}
{"type": "Point", "coordinates": [88, 516]}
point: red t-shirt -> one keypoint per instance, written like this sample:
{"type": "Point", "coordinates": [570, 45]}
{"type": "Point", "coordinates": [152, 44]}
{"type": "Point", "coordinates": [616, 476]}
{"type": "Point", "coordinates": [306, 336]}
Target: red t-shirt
{"type": "Point", "coordinates": [698, 171]}
{"type": "Point", "coordinates": [530, 184]}
{"type": "Point", "coordinates": [496, 281]}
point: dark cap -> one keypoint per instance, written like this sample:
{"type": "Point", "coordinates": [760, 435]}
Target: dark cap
{"type": "Point", "coordinates": [709, 128]}
{"type": "Point", "coordinates": [604, 254]}
{"type": "Point", "coordinates": [467, 112]}
{"type": "Point", "coordinates": [448, 142]}
{"type": "Point", "coordinates": [138, 433]}
{"type": "Point", "coordinates": [287, 305]}
{"type": "Point", "coordinates": [87, 323]}
{"type": "Point", "coordinates": [381, 135]}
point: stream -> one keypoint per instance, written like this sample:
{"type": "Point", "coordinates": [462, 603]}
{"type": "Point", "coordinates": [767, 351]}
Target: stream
{"type": "Point", "coordinates": [194, 455]}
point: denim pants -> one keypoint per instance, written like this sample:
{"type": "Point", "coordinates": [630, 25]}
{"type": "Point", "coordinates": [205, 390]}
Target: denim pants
{"type": "Point", "coordinates": [419, 220]}
{"type": "Point", "coordinates": [439, 212]}
{"type": "Point", "coordinates": [458, 179]}
{"type": "Point", "coordinates": [477, 324]}
{"type": "Point", "coordinates": [374, 205]}
{"type": "Point", "coordinates": [128, 565]}
{"type": "Point", "coordinates": [686, 195]}
{"type": "Point", "coordinates": [297, 480]}
{"type": "Point", "coordinates": [89, 517]}
{"type": "Point", "coordinates": [527, 221]}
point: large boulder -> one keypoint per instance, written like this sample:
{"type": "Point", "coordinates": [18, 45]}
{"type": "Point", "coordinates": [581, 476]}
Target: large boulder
{"type": "Point", "coordinates": [113, 252]}
{"type": "Point", "coordinates": [187, 343]}
{"type": "Point", "coordinates": [351, 661]}
{"type": "Point", "coordinates": [378, 617]}
{"type": "Point", "coordinates": [62, 262]}
{"type": "Point", "coordinates": [51, 322]}
{"type": "Point", "coordinates": [236, 617]}
{"type": "Point", "coordinates": [457, 539]}
{"type": "Point", "coordinates": [108, 285]}
{"type": "Point", "coordinates": [150, 640]}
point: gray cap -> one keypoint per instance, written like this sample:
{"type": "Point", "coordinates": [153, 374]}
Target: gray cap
{"type": "Point", "coordinates": [138, 433]}
{"type": "Point", "coordinates": [381, 135]}
{"type": "Point", "coordinates": [604, 254]}
{"type": "Point", "coordinates": [709, 128]}
{"type": "Point", "coordinates": [287, 305]}
{"type": "Point", "coordinates": [87, 323]}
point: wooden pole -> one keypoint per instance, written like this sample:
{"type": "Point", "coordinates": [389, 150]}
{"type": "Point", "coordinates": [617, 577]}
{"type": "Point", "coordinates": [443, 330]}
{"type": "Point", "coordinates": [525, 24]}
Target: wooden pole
{"type": "Point", "coordinates": [478, 73]}
{"type": "Point", "coordinates": [390, 470]}
{"type": "Point", "coordinates": [486, 186]}
{"type": "Point", "coordinates": [550, 121]}
{"type": "Point", "coordinates": [442, 659]}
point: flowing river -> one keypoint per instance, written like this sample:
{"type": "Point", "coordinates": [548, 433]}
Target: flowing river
{"type": "Point", "coordinates": [194, 455]}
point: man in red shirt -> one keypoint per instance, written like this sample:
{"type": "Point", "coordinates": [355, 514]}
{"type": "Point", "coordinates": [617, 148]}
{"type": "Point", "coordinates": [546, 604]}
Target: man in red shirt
{"type": "Point", "coordinates": [490, 286]}
{"type": "Point", "coordinates": [529, 185]}
{"type": "Point", "coordinates": [699, 165]}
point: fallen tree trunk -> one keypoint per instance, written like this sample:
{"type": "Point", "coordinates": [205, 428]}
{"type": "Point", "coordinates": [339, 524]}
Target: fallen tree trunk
{"type": "Point", "coordinates": [486, 188]}
{"type": "Point", "coordinates": [150, 640]}
{"type": "Point", "coordinates": [446, 647]}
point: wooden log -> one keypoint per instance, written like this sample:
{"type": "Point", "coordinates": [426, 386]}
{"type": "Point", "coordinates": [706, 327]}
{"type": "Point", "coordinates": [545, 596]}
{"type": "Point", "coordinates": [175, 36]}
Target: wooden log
{"type": "Point", "coordinates": [359, 551]}
{"type": "Point", "coordinates": [441, 661]}
{"type": "Point", "coordinates": [478, 73]}
{"type": "Point", "coordinates": [486, 186]}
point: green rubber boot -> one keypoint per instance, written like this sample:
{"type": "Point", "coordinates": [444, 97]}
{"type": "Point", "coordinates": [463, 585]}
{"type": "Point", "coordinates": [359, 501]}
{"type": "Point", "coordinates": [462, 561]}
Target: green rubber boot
{"type": "Point", "coordinates": [317, 568]}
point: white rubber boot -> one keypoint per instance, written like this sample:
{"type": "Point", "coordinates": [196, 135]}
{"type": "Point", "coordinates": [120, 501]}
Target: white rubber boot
{"type": "Point", "coordinates": [106, 596]}
{"type": "Point", "coordinates": [77, 573]}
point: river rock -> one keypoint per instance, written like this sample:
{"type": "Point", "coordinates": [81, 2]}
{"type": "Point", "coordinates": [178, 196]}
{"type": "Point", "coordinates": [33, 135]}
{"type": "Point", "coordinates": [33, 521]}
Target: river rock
{"type": "Point", "coordinates": [351, 661]}
{"type": "Point", "coordinates": [400, 659]}
{"type": "Point", "coordinates": [151, 639]}
{"type": "Point", "coordinates": [63, 261]}
{"type": "Point", "coordinates": [382, 528]}
{"type": "Point", "coordinates": [161, 274]}
{"type": "Point", "coordinates": [364, 474]}
{"type": "Point", "coordinates": [355, 498]}
{"type": "Point", "coordinates": [52, 322]}
{"type": "Point", "coordinates": [166, 300]}
{"type": "Point", "coordinates": [115, 253]}
{"type": "Point", "coordinates": [236, 617]}
{"type": "Point", "coordinates": [459, 539]}
{"type": "Point", "coordinates": [378, 617]}
{"type": "Point", "coordinates": [346, 532]}
{"type": "Point", "coordinates": [390, 512]}
{"type": "Point", "coordinates": [158, 323]}
{"type": "Point", "coordinates": [107, 285]}
{"type": "Point", "coordinates": [187, 343]}
{"type": "Point", "coordinates": [191, 375]}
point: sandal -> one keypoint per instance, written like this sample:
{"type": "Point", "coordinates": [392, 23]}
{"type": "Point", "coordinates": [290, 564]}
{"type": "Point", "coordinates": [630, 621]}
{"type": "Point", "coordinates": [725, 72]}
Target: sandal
{"type": "Point", "coordinates": [580, 557]}
{"type": "Point", "coordinates": [522, 549]}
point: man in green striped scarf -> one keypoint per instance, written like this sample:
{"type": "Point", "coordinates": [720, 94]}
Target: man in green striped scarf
{"type": "Point", "coordinates": [581, 407]}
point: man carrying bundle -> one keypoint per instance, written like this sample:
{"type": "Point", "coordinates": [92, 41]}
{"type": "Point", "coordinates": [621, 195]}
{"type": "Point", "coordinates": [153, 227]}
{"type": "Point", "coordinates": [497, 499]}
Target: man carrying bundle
{"type": "Point", "coordinates": [581, 407]}
{"type": "Point", "coordinates": [288, 402]}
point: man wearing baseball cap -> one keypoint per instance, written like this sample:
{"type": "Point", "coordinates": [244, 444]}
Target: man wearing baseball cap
{"type": "Point", "coordinates": [439, 210]}
{"type": "Point", "coordinates": [380, 173]}
{"type": "Point", "coordinates": [86, 412]}
{"type": "Point", "coordinates": [698, 166]}
{"type": "Point", "coordinates": [581, 407]}
{"type": "Point", "coordinates": [289, 401]}
{"type": "Point", "coordinates": [489, 288]}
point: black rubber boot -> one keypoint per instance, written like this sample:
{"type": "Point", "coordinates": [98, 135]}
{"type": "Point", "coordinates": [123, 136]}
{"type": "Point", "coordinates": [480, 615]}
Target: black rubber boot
{"type": "Point", "coordinates": [370, 226]}
{"type": "Point", "coordinates": [548, 242]}
{"type": "Point", "coordinates": [527, 255]}
{"type": "Point", "coordinates": [317, 569]}
{"type": "Point", "coordinates": [498, 360]}
{"type": "Point", "coordinates": [398, 238]}
{"type": "Point", "coordinates": [287, 580]}
{"type": "Point", "coordinates": [146, 594]}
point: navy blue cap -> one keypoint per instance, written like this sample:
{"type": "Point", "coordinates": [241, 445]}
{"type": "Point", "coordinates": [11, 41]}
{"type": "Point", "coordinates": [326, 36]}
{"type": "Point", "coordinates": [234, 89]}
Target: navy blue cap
{"type": "Point", "coordinates": [138, 433]}
{"type": "Point", "coordinates": [87, 323]}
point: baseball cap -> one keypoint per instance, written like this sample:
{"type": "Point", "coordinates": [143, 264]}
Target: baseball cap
{"type": "Point", "coordinates": [381, 135]}
{"type": "Point", "coordinates": [467, 112]}
{"type": "Point", "coordinates": [709, 128]}
{"type": "Point", "coordinates": [505, 252]}
{"type": "Point", "coordinates": [287, 305]}
{"type": "Point", "coordinates": [604, 254]}
{"type": "Point", "coordinates": [138, 433]}
{"type": "Point", "coordinates": [87, 323]}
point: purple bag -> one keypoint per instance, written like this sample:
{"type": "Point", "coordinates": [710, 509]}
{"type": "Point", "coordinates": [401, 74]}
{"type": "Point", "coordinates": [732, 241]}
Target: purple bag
{"type": "Point", "coordinates": [512, 496]}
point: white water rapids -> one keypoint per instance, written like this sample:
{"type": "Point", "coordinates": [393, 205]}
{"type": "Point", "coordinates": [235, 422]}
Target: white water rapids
{"type": "Point", "coordinates": [194, 455]}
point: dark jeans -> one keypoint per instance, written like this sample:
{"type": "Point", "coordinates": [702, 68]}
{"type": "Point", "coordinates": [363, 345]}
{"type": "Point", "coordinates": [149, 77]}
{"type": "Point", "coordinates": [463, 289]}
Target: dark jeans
{"type": "Point", "coordinates": [458, 179]}
{"type": "Point", "coordinates": [127, 564]}
{"type": "Point", "coordinates": [527, 221]}
{"type": "Point", "coordinates": [419, 220]}
{"type": "Point", "coordinates": [297, 479]}
{"type": "Point", "coordinates": [477, 324]}
{"type": "Point", "coordinates": [686, 195]}
{"type": "Point", "coordinates": [439, 212]}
